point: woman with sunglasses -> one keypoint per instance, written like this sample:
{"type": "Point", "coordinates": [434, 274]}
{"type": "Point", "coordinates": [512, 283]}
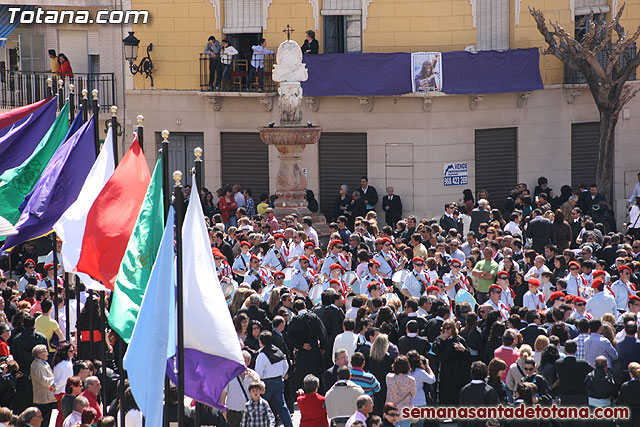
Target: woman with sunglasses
{"type": "Point", "coordinates": [455, 361]}
{"type": "Point", "coordinates": [390, 415]}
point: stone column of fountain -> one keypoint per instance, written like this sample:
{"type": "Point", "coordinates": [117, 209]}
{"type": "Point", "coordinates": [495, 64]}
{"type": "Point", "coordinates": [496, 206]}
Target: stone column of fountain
{"type": "Point", "coordinates": [291, 137]}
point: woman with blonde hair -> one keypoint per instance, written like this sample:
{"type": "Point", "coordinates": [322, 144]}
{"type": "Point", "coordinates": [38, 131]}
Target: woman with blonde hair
{"type": "Point", "coordinates": [630, 395]}
{"type": "Point", "coordinates": [379, 365]}
{"type": "Point", "coordinates": [239, 298]}
{"type": "Point", "coordinates": [455, 363]}
{"type": "Point", "coordinates": [609, 332]}
{"type": "Point", "coordinates": [516, 370]}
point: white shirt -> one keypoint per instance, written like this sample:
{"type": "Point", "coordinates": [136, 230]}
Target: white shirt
{"type": "Point", "coordinates": [235, 399]}
{"type": "Point", "coordinates": [61, 372]}
{"type": "Point", "coordinates": [312, 234]}
{"type": "Point", "coordinates": [267, 370]}
{"type": "Point", "coordinates": [636, 193]}
{"type": "Point", "coordinates": [344, 341]}
{"type": "Point", "coordinates": [533, 301]}
{"type": "Point", "coordinates": [621, 291]}
{"type": "Point", "coordinates": [240, 202]}
{"type": "Point", "coordinates": [513, 228]}
{"type": "Point", "coordinates": [601, 304]}
{"type": "Point", "coordinates": [296, 250]}
{"type": "Point", "coordinates": [533, 270]}
{"type": "Point", "coordinates": [73, 419]}
{"type": "Point", "coordinates": [133, 418]}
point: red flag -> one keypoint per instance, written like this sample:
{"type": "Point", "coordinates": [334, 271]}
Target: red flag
{"type": "Point", "coordinates": [16, 114]}
{"type": "Point", "coordinates": [112, 217]}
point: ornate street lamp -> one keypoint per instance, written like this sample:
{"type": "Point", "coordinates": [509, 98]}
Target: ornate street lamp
{"type": "Point", "coordinates": [145, 66]}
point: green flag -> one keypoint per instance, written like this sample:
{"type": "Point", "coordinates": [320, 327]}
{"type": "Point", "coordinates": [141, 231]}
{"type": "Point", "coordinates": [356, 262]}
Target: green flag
{"type": "Point", "coordinates": [18, 182]}
{"type": "Point", "coordinates": [138, 259]}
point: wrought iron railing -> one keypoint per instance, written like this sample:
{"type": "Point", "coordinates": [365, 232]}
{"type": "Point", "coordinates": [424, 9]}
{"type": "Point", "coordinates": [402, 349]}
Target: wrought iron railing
{"type": "Point", "coordinates": [238, 74]}
{"type": "Point", "coordinates": [572, 76]}
{"type": "Point", "coordinates": [19, 88]}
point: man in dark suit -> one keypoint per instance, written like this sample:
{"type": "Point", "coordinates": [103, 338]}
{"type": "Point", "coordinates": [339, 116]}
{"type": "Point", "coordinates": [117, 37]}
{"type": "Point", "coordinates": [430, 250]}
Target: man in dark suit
{"type": "Point", "coordinates": [593, 198]}
{"type": "Point", "coordinates": [369, 194]}
{"type": "Point", "coordinates": [331, 375]}
{"type": "Point", "coordinates": [608, 253]}
{"type": "Point", "coordinates": [628, 348]}
{"type": "Point", "coordinates": [433, 326]}
{"type": "Point", "coordinates": [225, 248]}
{"type": "Point", "coordinates": [392, 207]}
{"type": "Point", "coordinates": [411, 307]}
{"type": "Point", "coordinates": [576, 223]}
{"type": "Point", "coordinates": [447, 221]}
{"type": "Point", "coordinates": [332, 318]}
{"type": "Point", "coordinates": [480, 215]}
{"type": "Point", "coordinates": [478, 393]}
{"type": "Point", "coordinates": [533, 330]}
{"type": "Point", "coordinates": [571, 374]}
{"type": "Point", "coordinates": [280, 341]}
{"type": "Point", "coordinates": [411, 341]}
{"type": "Point", "coordinates": [540, 230]}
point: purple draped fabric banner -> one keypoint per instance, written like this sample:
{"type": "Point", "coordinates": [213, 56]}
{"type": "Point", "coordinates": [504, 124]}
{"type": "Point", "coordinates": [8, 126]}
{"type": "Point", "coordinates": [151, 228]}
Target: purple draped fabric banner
{"type": "Point", "coordinates": [491, 71]}
{"type": "Point", "coordinates": [368, 74]}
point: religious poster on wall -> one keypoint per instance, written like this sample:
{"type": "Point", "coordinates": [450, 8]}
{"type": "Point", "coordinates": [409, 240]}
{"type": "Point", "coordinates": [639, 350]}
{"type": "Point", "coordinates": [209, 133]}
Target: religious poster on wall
{"type": "Point", "coordinates": [426, 72]}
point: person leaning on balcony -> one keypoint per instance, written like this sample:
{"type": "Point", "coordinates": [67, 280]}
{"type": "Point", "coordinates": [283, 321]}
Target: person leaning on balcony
{"type": "Point", "coordinates": [226, 57]}
{"type": "Point", "coordinates": [213, 50]}
{"type": "Point", "coordinates": [310, 45]}
{"type": "Point", "coordinates": [55, 65]}
{"type": "Point", "coordinates": [257, 63]}
{"type": "Point", "coordinates": [65, 66]}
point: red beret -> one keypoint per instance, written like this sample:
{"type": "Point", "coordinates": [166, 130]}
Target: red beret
{"type": "Point", "coordinates": [440, 281]}
{"type": "Point", "coordinates": [30, 261]}
{"type": "Point", "coordinates": [374, 261]}
{"type": "Point", "coordinates": [624, 267]}
{"type": "Point", "coordinates": [494, 286]}
{"type": "Point", "coordinates": [599, 273]}
{"type": "Point", "coordinates": [278, 273]}
{"type": "Point", "coordinates": [304, 257]}
{"type": "Point", "coordinates": [597, 282]}
{"type": "Point", "coordinates": [216, 253]}
{"type": "Point", "coordinates": [386, 240]}
{"type": "Point", "coordinates": [555, 295]}
{"type": "Point", "coordinates": [432, 288]}
{"type": "Point", "coordinates": [255, 257]}
{"type": "Point", "coordinates": [569, 298]}
{"type": "Point", "coordinates": [335, 242]}
{"type": "Point", "coordinates": [633, 298]}
{"type": "Point", "coordinates": [371, 284]}
{"type": "Point", "coordinates": [309, 245]}
{"type": "Point", "coordinates": [336, 266]}
{"type": "Point", "coordinates": [579, 299]}
{"type": "Point", "coordinates": [503, 272]}
{"type": "Point", "coordinates": [278, 236]}
{"type": "Point", "coordinates": [48, 266]}
{"type": "Point", "coordinates": [245, 243]}
{"type": "Point", "coordinates": [534, 282]}
{"type": "Point", "coordinates": [334, 281]}
{"type": "Point", "coordinates": [456, 261]}
{"type": "Point", "coordinates": [417, 259]}
{"type": "Point", "coordinates": [576, 263]}
{"type": "Point", "coordinates": [58, 239]}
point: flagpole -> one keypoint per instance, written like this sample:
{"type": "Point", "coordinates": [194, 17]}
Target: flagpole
{"type": "Point", "coordinates": [72, 103]}
{"type": "Point", "coordinates": [49, 87]}
{"type": "Point", "coordinates": [178, 204]}
{"type": "Point", "coordinates": [114, 132]}
{"type": "Point", "coordinates": [166, 195]}
{"type": "Point", "coordinates": [103, 353]}
{"type": "Point", "coordinates": [96, 111]}
{"type": "Point", "coordinates": [55, 275]}
{"type": "Point", "coordinates": [85, 109]}
{"type": "Point", "coordinates": [72, 113]}
{"type": "Point", "coordinates": [197, 152]}
{"type": "Point", "coordinates": [140, 131]}
{"type": "Point", "coordinates": [60, 94]}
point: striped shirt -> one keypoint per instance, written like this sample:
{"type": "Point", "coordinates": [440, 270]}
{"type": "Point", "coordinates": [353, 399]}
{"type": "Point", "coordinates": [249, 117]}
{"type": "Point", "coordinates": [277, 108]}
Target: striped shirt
{"type": "Point", "coordinates": [580, 352]}
{"type": "Point", "coordinates": [366, 380]}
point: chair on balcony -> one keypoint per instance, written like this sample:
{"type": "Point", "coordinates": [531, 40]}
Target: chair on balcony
{"type": "Point", "coordinates": [238, 73]}
{"type": "Point", "coordinates": [268, 81]}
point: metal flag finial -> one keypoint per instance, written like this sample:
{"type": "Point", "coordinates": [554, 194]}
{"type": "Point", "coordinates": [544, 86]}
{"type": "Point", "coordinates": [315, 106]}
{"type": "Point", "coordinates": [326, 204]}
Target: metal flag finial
{"type": "Point", "coordinates": [177, 177]}
{"type": "Point", "coordinates": [140, 119]}
{"type": "Point", "coordinates": [165, 135]}
{"type": "Point", "coordinates": [94, 93]}
{"type": "Point", "coordinates": [198, 153]}
{"type": "Point", "coordinates": [84, 93]}
{"type": "Point", "coordinates": [288, 30]}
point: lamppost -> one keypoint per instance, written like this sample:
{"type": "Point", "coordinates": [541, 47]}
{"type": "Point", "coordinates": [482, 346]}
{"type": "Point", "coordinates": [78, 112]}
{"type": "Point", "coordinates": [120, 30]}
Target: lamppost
{"type": "Point", "coordinates": [145, 66]}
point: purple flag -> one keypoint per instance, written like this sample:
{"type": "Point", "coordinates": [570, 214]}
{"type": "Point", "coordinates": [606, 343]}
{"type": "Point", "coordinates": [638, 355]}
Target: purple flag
{"type": "Point", "coordinates": [18, 143]}
{"type": "Point", "coordinates": [58, 186]}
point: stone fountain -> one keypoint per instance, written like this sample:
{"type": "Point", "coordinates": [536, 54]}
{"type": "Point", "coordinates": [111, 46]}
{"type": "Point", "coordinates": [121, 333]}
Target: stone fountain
{"type": "Point", "coordinates": [290, 137]}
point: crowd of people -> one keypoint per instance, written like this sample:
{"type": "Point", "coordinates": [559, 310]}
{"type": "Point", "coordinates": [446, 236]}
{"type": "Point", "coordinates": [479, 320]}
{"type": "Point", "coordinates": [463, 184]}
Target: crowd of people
{"type": "Point", "coordinates": [467, 309]}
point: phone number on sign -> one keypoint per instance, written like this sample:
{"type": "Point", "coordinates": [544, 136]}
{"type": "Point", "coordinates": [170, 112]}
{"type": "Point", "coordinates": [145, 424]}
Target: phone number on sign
{"type": "Point", "coordinates": [456, 180]}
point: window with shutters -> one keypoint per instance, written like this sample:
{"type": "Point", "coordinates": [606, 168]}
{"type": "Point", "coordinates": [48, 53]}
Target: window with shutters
{"type": "Point", "coordinates": [181, 158]}
{"type": "Point", "coordinates": [492, 24]}
{"type": "Point", "coordinates": [32, 53]}
{"type": "Point", "coordinates": [75, 46]}
{"type": "Point", "coordinates": [243, 16]}
{"type": "Point", "coordinates": [585, 139]}
{"type": "Point", "coordinates": [245, 161]}
{"type": "Point", "coordinates": [342, 25]}
{"type": "Point", "coordinates": [496, 163]}
{"type": "Point", "coordinates": [342, 160]}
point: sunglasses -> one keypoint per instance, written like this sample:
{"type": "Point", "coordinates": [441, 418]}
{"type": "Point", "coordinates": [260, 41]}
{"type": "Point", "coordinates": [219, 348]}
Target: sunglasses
{"type": "Point", "coordinates": [218, 259]}
{"type": "Point", "coordinates": [528, 369]}
{"type": "Point", "coordinates": [503, 278]}
{"type": "Point", "coordinates": [446, 328]}
{"type": "Point", "coordinates": [573, 268]}
{"type": "Point", "coordinates": [418, 264]}
{"type": "Point", "coordinates": [393, 414]}
{"type": "Point", "coordinates": [580, 304]}
{"type": "Point", "coordinates": [387, 244]}
{"type": "Point", "coordinates": [496, 292]}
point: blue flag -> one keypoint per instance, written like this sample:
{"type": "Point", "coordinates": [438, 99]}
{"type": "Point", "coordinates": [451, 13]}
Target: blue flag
{"type": "Point", "coordinates": [153, 339]}
{"type": "Point", "coordinates": [22, 139]}
{"type": "Point", "coordinates": [59, 185]}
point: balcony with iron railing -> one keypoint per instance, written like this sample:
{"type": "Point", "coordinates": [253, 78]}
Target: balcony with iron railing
{"type": "Point", "coordinates": [19, 88]}
{"type": "Point", "coordinates": [572, 76]}
{"type": "Point", "coordinates": [238, 74]}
